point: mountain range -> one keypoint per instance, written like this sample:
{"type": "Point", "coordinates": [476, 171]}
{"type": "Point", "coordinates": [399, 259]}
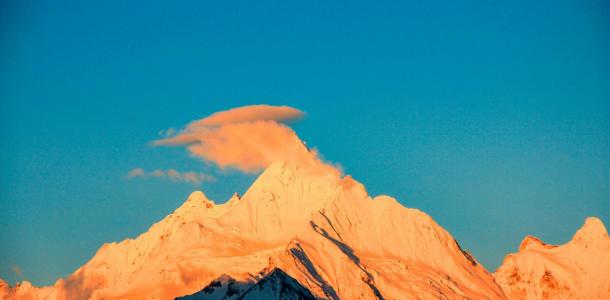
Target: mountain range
{"type": "Point", "coordinates": [305, 231]}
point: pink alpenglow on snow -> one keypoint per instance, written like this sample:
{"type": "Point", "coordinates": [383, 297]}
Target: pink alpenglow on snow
{"type": "Point", "coordinates": [304, 231]}
{"type": "Point", "coordinates": [323, 230]}
{"type": "Point", "coordinates": [579, 269]}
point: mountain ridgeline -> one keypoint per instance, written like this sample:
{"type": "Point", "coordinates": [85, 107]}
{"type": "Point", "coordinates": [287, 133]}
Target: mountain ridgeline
{"type": "Point", "coordinates": [303, 231]}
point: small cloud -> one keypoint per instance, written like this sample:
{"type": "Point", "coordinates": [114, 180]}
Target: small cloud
{"type": "Point", "coordinates": [173, 173]}
{"type": "Point", "coordinates": [191, 177]}
{"type": "Point", "coordinates": [17, 270]}
{"type": "Point", "coordinates": [167, 132]}
{"type": "Point", "coordinates": [136, 172]}
{"type": "Point", "coordinates": [157, 173]}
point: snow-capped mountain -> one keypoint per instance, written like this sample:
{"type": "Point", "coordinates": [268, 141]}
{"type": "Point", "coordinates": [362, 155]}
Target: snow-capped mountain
{"type": "Point", "coordinates": [319, 231]}
{"type": "Point", "coordinates": [300, 216]}
{"type": "Point", "coordinates": [224, 287]}
{"type": "Point", "coordinates": [277, 285]}
{"type": "Point", "coordinates": [579, 269]}
{"type": "Point", "coordinates": [274, 285]}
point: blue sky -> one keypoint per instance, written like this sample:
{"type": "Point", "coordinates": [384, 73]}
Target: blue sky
{"type": "Point", "coordinates": [494, 118]}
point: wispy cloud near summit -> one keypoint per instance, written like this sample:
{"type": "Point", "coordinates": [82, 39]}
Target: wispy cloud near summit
{"type": "Point", "coordinates": [246, 138]}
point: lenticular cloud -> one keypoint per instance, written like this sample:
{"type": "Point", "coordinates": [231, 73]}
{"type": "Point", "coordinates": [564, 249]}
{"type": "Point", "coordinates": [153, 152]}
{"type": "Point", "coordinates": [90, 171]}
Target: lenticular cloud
{"type": "Point", "coordinates": [251, 113]}
{"type": "Point", "coordinates": [246, 138]}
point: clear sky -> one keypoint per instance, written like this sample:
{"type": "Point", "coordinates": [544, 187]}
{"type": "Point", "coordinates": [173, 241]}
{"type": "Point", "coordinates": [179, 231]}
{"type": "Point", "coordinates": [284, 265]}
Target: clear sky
{"type": "Point", "coordinates": [493, 117]}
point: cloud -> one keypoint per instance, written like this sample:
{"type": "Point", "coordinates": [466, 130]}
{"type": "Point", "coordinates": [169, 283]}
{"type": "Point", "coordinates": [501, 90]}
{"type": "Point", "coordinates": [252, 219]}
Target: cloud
{"type": "Point", "coordinates": [191, 177]}
{"type": "Point", "coordinates": [246, 138]}
{"type": "Point", "coordinates": [136, 172]}
{"type": "Point", "coordinates": [251, 113]}
{"type": "Point", "coordinates": [167, 132]}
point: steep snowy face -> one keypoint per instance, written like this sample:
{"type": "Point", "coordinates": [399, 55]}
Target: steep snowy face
{"type": "Point", "coordinates": [579, 269]}
{"type": "Point", "coordinates": [300, 216]}
{"type": "Point", "coordinates": [278, 204]}
{"type": "Point", "coordinates": [357, 247]}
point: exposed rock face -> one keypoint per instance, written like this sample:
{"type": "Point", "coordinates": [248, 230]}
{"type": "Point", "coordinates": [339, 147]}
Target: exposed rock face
{"type": "Point", "coordinates": [274, 284]}
{"type": "Point", "coordinates": [224, 287]}
{"type": "Point", "coordinates": [277, 285]}
{"type": "Point", "coordinates": [579, 269]}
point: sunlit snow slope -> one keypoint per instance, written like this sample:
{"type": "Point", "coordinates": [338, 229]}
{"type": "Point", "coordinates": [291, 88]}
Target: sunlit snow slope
{"type": "Point", "coordinates": [579, 269]}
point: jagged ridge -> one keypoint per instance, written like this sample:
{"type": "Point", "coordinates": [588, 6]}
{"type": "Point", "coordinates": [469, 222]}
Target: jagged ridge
{"type": "Point", "coordinates": [578, 269]}
{"type": "Point", "coordinates": [300, 216]}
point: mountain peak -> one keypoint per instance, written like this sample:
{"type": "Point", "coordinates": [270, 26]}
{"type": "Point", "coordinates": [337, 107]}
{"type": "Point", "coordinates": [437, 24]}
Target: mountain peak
{"type": "Point", "coordinates": [303, 159]}
{"type": "Point", "coordinates": [234, 199]}
{"type": "Point", "coordinates": [592, 231]}
{"type": "Point", "coordinates": [224, 287]}
{"type": "Point", "coordinates": [532, 242]}
{"type": "Point", "coordinates": [575, 270]}
{"type": "Point", "coordinates": [278, 285]}
{"type": "Point", "coordinates": [350, 246]}
{"type": "Point", "coordinates": [196, 199]}
{"type": "Point", "coordinates": [194, 205]}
